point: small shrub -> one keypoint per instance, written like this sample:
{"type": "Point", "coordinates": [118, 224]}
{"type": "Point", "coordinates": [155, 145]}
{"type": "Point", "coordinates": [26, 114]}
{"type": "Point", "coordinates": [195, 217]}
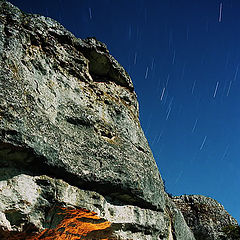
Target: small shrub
{"type": "Point", "coordinates": [232, 232]}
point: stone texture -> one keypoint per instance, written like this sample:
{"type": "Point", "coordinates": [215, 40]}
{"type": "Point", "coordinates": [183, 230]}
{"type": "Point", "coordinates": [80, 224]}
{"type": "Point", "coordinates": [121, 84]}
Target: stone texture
{"type": "Point", "coordinates": [205, 216]}
{"type": "Point", "coordinates": [70, 137]}
{"type": "Point", "coordinates": [69, 102]}
{"type": "Point", "coordinates": [36, 199]}
{"type": "Point", "coordinates": [30, 202]}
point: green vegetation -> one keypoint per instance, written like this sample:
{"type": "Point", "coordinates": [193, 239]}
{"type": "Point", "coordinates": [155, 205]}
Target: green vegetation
{"type": "Point", "coordinates": [232, 232]}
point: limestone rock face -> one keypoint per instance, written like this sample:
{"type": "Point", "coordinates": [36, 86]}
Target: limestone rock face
{"type": "Point", "coordinates": [71, 106]}
{"type": "Point", "coordinates": [73, 158]}
{"type": "Point", "coordinates": [72, 151]}
{"type": "Point", "coordinates": [70, 138]}
{"type": "Point", "coordinates": [205, 216]}
{"type": "Point", "coordinates": [37, 198]}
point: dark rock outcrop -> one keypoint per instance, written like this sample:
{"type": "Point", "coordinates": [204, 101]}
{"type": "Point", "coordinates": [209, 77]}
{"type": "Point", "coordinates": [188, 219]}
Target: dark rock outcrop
{"type": "Point", "coordinates": [205, 216]}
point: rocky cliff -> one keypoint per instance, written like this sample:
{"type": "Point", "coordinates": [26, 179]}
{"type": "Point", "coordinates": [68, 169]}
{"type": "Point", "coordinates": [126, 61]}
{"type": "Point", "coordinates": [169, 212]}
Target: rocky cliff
{"type": "Point", "coordinates": [206, 217]}
{"type": "Point", "coordinates": [74, 162]}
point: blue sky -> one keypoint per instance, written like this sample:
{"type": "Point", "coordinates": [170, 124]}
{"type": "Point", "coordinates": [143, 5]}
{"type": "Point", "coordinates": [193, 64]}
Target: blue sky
{"type": "Point", "coordinates": [184, 60]}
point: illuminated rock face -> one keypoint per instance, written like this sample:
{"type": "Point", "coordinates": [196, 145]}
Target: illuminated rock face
{"type": "Point", "coordinates": [71, 224]}
{"type": "Point", "coordinates": [30, 204]}
{"type": "Point", "coordinates": [77, 224]}
{"type": "Point", "coordinates": [70, 137]}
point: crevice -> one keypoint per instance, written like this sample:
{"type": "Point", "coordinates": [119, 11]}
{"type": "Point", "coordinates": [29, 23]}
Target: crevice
{"type": "Point", "coordinates": [90, 220]}
{"type": "Point", "coordinates": [27, 161]}
{"type": "Point", "coordinates": [62, 38]}
{"type": "Point", "coordinates": [172, 228]}
{"type": "Point", "coordinates": [35, 39]}
{"type": "Point", "coordinates": [140, 148]}
{"type": "Point", "coordinates": [7, 31]}
{"type": "Point", "coordinates": [106, 134]}
{"type": "Point", "coordinates": [79, 121]}
{"type": "Point", "coordinates": [133, 228]}
{"type": "Point", "coordinates": [106, 131]}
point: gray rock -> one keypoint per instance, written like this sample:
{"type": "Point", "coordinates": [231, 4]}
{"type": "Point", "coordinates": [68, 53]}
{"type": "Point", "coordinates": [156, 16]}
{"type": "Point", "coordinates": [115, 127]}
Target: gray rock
{"type": "Point", "coordinates": [179, 229]}
{"type": "Point", "coordinates": [69, 103]}
{"type": "Point", "coordinates": [31, 202]}
{"type": "Point", "coordinates": [70, 137]}
{"type": "Point", "coordinates": [205, 216]}
{"type": "Point", "coordinates": [37, 199]}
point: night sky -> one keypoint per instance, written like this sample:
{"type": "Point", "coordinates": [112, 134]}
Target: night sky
{"type": "Point", "coordinates": [184, 59]}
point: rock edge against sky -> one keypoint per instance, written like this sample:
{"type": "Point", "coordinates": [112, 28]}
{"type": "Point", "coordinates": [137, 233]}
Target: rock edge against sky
{"type": "Point", "coordinates": [70, 137]}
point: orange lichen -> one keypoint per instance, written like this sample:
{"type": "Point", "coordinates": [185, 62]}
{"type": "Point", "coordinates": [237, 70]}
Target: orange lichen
{"type": "Point", "coordinates": [76, 224]}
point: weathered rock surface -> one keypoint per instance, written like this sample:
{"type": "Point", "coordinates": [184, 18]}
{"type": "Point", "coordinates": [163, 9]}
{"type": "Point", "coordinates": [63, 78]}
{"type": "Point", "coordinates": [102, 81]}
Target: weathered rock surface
{"type": "Point", "coordinates": [72, 107]}
{"type": "Point", "coordinates": [70, 135]}
{"type": "Point", "coordinates": [35, 198]}
{"type": "Point", "coordinates": [205, 216]}
{"type": "Point", "coordinates": [70, 138]}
